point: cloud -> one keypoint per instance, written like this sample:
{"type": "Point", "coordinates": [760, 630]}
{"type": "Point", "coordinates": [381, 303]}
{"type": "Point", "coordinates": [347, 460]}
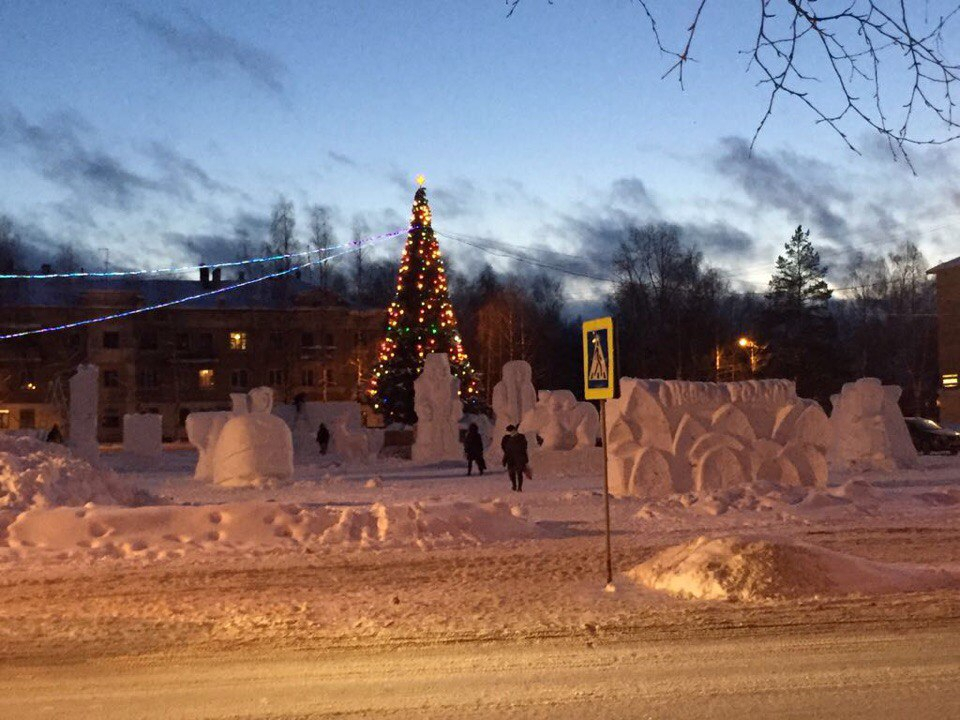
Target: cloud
{"type": "Point", "coordinates": [196, 42]}
{"type": "Point", "coordinates": [342, 159]}
{"type": "Point", "coordinates": [178, 167]}
{"type": "Point", "coordinates": [632, 192]}
{"type": "Point", "coordinates": [804, 187]}
{"type": "Point", "coordinates": [207, 248]}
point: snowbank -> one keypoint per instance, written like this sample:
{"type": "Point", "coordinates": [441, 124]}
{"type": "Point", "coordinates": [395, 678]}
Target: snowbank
{"type": "Point", "coordinates": [159, 531]}
{"type": "Point", "coordinates": [38, 474]}
{"type": "Point", "coordinates": [752, 569]}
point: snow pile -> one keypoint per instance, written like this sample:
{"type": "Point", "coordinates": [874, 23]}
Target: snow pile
{"type": "Point", "coordinates": [171, 529]}
{"type": "Point", "coordinates": [676, 436]}
{"type": "Point", "coordinates": [254, 448]}
{"type": "Point", "coordinates": [752, 569]}
{"type": "Point", "coordinates": [38, 474]}
{"type": "Point", "coordinates": [868, 428]}
{"type": "Point", "coordinates": [562, 422]}
{"type": "Point", "coordinates": [436, 400]}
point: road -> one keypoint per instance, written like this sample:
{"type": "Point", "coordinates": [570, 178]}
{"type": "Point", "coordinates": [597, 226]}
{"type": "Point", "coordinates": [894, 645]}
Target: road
{"type": "Point", "coordinates": [842, 673]}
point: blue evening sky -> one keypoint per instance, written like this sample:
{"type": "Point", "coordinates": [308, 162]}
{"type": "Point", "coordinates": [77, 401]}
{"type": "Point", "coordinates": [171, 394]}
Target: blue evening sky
{"type": "Point", "coordinates": [157, 129]}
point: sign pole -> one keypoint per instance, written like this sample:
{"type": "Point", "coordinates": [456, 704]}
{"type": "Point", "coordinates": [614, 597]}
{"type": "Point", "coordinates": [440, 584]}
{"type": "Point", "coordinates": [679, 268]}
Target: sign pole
{"type": "Point", "coordinates": [606, 492]}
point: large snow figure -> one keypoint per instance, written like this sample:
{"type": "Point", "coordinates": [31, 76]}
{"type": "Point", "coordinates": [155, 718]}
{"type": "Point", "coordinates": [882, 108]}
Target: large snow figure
{"type": "Point", "coordinates": [562, 422]}
{"type": "Point", "coordinates": [438, 408]}
{"type": "Point", "coordinates": [84, 389]}
{"type": "Point", "coordinates": [351, 443]}
{"type": "Point", "coordinates": [513, 397]}
{"type": "Point", "coordinates": [254, 447]}
{"type": "Point", "coordinates": [676, 436]}
{"type": "Point", "coordinates": [203, 431]}
{"type": "Point", "coordinates": [143, 435]}
{"type": "Point", "coordinates": [868, 428]}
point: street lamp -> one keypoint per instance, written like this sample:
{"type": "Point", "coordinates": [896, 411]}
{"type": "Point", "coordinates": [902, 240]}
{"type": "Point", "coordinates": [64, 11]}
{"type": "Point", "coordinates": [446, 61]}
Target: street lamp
{"type": "Point", "coordinates": [746, 342]}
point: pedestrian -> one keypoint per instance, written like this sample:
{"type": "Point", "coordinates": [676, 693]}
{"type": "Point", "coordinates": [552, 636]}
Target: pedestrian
{"type": "Point", "coordinates": [55, 436]}
{"type": "Point", "coordinates": [473, 448]}
{"type": "Point", "coordinates": [323, 438]}
{"type": "Point", "coordinates": [514, 446]}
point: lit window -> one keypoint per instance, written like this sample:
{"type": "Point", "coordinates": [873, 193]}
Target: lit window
{"type": "Point", "coordinates": [238, 340]}
{"type": "Point", "coordinates": [950, 380]}
{"type": "Point", "coordinates": [4, 419]}
{"type": "Point", "coordinates": [205, 378]}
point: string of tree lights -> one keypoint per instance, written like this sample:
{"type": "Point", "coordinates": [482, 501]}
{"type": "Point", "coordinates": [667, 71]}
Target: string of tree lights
{"type": "Point", "coordinates": [193, 268]}
{"type": "Point", "coordinates": [420, 321]}
{"type": "Point", "coordinates": [354, 246]}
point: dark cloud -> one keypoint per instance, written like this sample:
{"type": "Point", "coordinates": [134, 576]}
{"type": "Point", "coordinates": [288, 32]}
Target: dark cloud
{"type": "Point", "coordinates": [717, 239]}
{"type": "Point", "coordinates": [64, 150]}
{"type": "Point", "coordinates": [803, 187]}
{"type": "Point", "coordinates": [196, 42]}
{"type": "Point", "coordinates": [632, 192]}
{"type": "Point", "coordinates": [206, 248]}
{"type": "Point", "coordinates": [455, 200]}
{"type": "Point", "coordinates": [342, 159]}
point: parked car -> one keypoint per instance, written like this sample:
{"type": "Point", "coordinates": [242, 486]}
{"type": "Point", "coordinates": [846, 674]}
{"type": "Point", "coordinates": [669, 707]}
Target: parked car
{"type": "Point", "coordinates": [929, 437]}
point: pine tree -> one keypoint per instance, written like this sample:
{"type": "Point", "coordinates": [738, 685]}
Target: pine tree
{"type": "Point", "coordinates": [420, 321]}
{"type": "Point", "coordinates": [798, 285]}
{"type": "Point", "coordinates": [801, 332]}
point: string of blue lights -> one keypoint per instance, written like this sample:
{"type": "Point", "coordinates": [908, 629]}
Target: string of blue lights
{"type": "Point", "coordinates": [194, 268]}
{"type": "Point", "coordinates": [353, 246]}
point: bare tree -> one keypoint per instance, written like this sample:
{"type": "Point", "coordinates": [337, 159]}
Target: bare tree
{"type": "Point", "coordinates": [321, 238]}
{"type": "Point", "coordinates": [879, 63]}
{"type": "Point", "coordinates": [360, 231]}
{"type": "Point", "coordinates": [11, 250]}
{"type": "Point", "coordinates": [282, 224]}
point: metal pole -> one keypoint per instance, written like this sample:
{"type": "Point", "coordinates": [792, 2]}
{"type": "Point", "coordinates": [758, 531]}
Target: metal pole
{"type": "Point", "coordinates": [606, 492]}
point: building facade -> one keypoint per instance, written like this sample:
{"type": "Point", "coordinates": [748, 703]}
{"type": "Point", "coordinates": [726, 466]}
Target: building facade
{"type": "Point", "coordinates": [302, 341]}
{"type": "Point", "coordinates": [948, 315]}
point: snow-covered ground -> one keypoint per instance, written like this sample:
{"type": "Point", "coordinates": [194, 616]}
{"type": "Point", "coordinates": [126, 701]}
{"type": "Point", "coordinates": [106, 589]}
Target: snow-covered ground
{"type": "Point", "coordinates": [392, 555]}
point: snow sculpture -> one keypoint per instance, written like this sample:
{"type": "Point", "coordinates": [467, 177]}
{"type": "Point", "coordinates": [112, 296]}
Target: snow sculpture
{"type": "Point", "coordinates": [561, 422]}
{"type": "Point", "coordinates": [438, 408]}
{"type": "Point", "coordinates": [676, 436]}
{"type": "Point", "coordinates": [203, 431]}
{"type": "Point", "coordinates": [240, 403]}
{"type": "Point", "coordinates": [255, 447]}
{"type": "Point", "coordinates": [513, 397]}
{"type": "Point", "coordinates": [351, 444]}
{"type": "Point", "coordinates": [84, 389]}
{"type": "Point", "coordinates": [483, 425]}
{"type": "Point", "coordinates": [143, 435]}
{"type": "Point", "coordinates": [868, 428]}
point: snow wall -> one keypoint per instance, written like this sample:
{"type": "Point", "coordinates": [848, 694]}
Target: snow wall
{"type": "Point", "coordinates": [671, 436]}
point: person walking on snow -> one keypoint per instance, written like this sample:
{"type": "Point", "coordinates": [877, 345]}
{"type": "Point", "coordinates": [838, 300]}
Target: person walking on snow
{"type": "Point", "coordinates": [514, 446]}
{"type": "Point", "coordinates": [323, 438]}
{"type": "Point", "coordinates": [473, 448]}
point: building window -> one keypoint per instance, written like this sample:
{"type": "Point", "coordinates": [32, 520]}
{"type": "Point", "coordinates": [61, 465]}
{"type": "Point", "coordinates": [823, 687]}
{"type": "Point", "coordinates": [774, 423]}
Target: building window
{"type": "Point", "coordinates": [111, 378]}
{"type": "Point", "coordinates": [276, 377]}
{"type": "Point", "coordinates": [28, 418]}
{"type": "Point", "coordinates": [327, 376]}
{"type": "Point", "coordinates": [147, 340]}
{"type": "Point", "coordinates": [306, 340]}
{"type": "Point", "coordinates": [27, 382]}
{"type": "Point", "coordinates": [205, 378]}
{"type": "Point", "coordinates": [328, 340]}
{"type": "Point", "coordinates": [111, 420]}
{"type": "Point", "coordinates": [238, 340]}
{"type": "Point", "coordinates": [111, 339]}
{"type": "Point", "coordinates": [148, 377]}
{"type": "Point", "coordinates": [4, 419]}
{"type": "Point", "coordinates": [950, 380]}
{"type": "Point", "coordinates": [238, 379]}
{"type": "Point", "coordinates": [183, 341]}
{"type": "Point", "coordinates": [276, 340]}
{"type": "Point", "coordinates": [206, 342]}
{"type": "Point", "coordinates": [73, 341]}
{"type": "Point", "coordinates": [306, 377]}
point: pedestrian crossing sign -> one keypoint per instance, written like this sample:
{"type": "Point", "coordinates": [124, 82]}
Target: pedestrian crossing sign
{"type": "Point", "coordinates": [598, 360]}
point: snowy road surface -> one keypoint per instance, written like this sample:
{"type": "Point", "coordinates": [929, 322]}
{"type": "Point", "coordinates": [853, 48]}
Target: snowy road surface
{"type": "Point", "coordinates": [841, 674]}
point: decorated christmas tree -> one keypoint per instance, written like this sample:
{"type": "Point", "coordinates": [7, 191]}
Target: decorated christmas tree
{"type": "Point", "coordinates": [420, 321]}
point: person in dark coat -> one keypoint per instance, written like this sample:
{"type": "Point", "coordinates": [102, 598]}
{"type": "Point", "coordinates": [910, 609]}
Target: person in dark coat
{"type": "Point", "coordinates": [323, 438]}
{"type": "Point", "coordinates": [55, 436]}
{"type": "Point", "coordinates": [514, 446]}
{"type": "Point", "coordinates": [473, 448]}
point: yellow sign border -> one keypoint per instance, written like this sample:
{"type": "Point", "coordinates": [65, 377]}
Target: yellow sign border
{"type": "Point", "coordinates": [604, 393]}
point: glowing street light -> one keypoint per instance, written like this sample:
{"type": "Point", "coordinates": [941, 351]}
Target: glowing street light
{"type": "Point", "coordinates": [746, 342]}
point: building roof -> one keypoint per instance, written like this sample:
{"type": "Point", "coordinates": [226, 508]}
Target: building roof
{"type": "Point", "coordinates": [948, 265]}
{"type": "Point", "coordinates": [138, 292]}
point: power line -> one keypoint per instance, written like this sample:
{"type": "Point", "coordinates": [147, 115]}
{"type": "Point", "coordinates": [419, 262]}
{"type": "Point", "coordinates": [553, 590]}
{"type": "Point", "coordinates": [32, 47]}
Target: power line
{"type": "Point", "coordinates": [193, 268]}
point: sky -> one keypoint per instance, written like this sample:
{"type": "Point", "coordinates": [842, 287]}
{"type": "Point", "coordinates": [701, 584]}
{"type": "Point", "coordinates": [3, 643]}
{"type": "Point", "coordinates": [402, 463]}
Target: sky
{"type": "Point", "coordinates": [151, 132]}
